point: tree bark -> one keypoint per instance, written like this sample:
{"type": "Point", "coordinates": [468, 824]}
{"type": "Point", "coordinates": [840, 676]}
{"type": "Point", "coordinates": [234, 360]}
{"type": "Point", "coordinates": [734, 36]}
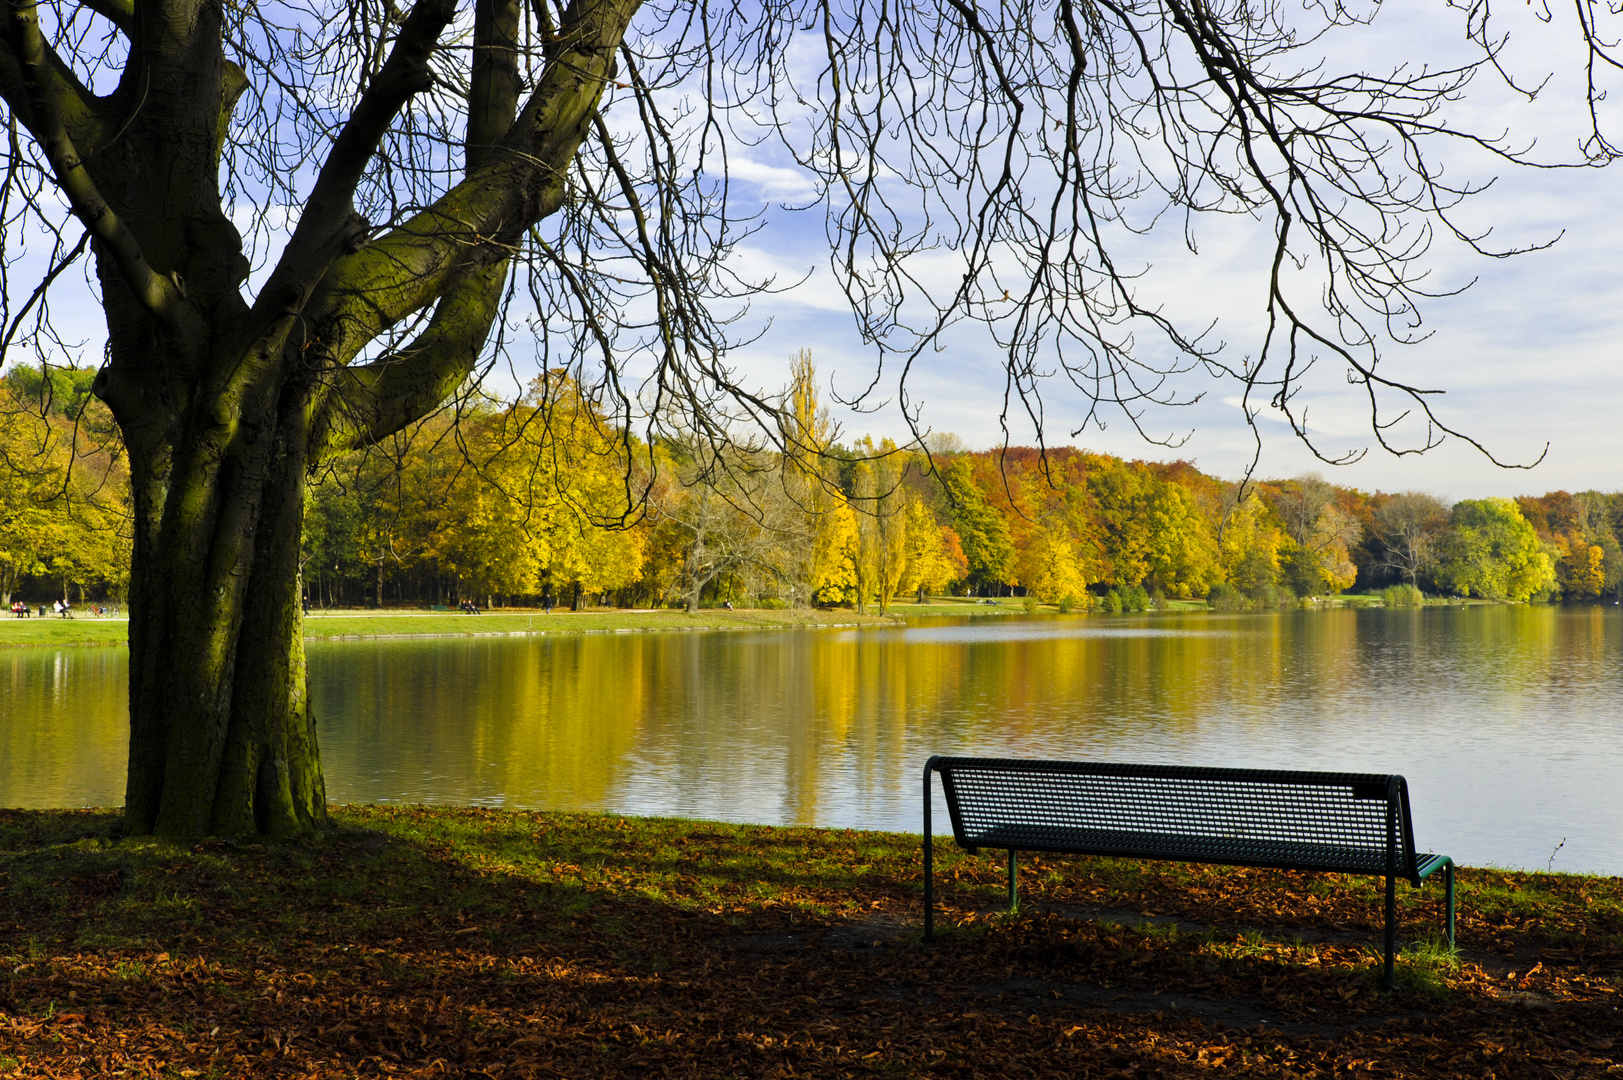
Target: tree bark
{"type": "Point", "coordinates": [222, 737]}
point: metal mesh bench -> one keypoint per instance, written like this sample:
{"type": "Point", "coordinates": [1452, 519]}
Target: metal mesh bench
{"type": "Point", "coordinates": [1345, 823]}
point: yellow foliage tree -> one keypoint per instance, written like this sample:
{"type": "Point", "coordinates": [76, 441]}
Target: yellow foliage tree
{"type": "Point", "coordinates": [1248, 554]}
{"type": "Point", "coordinates": [819, 537]}
{"type": "Point", "coordinates": [935, 557]}
{"type": "Point", "coordinates": [63, 494]}
{"type": "Point", "coordinates": [1049, 568]}
{"type": "Point", "coordinates": [881, 505]}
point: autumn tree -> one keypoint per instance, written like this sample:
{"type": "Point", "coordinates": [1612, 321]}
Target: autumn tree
{"type": "Point", "coordinates": [723, 508]}
{"type": "Point", "coordinates": [64, 513]}
{"type": "Point", "coordinates": [982, 531]}
{"type": "Point", "coordinates": [1249, 549]}
{"type": "Point", "coordinates": [881, 502]}
{"type": "Point", "coordinates": [935, 555]}
{"type": "Point", "coordinates": [303, 224]}
{"type": "Point", "coordinates": [1321, 533]}
{"type": "Point", "coordinates": [819, 535]}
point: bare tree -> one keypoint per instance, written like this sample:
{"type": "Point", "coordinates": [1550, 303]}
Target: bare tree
{"type": "Point", "coordinates": [1322, 531]}
{"type": "Point", "coordinates": [723, 506]}
{"type": "Point", "coordinates": [401, 178]}
{"type": "Point", "coordinates": [1409, 526]}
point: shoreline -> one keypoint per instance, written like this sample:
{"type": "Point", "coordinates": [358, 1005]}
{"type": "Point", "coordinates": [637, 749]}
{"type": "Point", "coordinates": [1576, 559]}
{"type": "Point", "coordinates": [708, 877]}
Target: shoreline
{"type": "Point", "coordinates": [500, 622]}
{"type": "Point", "coordinates": [390, 624]}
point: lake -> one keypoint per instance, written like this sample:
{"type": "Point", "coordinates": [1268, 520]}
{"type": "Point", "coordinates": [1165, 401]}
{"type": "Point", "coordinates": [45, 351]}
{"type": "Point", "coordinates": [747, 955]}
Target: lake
{"type": "Point", "coordinates": [1508, 721]}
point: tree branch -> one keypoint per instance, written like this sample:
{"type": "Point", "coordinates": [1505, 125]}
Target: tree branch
{"type": "Point", "coordinates": [482, 219]}
{"type": "Point", "coordinates": [158, 294]}
{"type": "Point", "coordinates": [121, 13]}
{"type": "Point", "coordinates": [373, 401]}
{"type": "Point", "coordinates": [493, 94]}
{"type": "Point", "coordinates": [76, 106]}
{"type": "Point", "coordinates": [329, 224]}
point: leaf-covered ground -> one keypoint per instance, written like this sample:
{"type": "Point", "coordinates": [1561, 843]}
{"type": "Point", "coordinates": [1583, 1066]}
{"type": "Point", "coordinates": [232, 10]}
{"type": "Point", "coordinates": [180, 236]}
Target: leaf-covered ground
{"type": "Point", "coordinates": [454, 942]}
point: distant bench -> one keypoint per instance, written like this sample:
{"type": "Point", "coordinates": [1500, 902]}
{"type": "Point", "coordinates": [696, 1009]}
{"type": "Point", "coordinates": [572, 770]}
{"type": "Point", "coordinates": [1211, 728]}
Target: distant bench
{"type": "Point", "coordinates": [1344, 823]}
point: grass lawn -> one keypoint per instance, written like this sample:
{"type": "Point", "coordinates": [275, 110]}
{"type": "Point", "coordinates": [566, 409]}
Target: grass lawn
{"type": "Point", "coordinates": [50, 630]}
{"type": "Point", "coordinates": [88, 630]}
{"type": "Point", "coordinates": [461, 942]}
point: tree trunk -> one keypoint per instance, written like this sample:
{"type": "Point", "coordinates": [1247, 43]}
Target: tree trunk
{"type": "Point", "coordinates": [222, 738]}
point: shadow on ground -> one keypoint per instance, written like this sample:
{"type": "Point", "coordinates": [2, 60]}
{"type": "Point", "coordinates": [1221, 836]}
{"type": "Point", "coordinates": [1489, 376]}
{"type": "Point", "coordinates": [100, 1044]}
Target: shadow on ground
{"type": "Point", "coordinates": [470, 943]}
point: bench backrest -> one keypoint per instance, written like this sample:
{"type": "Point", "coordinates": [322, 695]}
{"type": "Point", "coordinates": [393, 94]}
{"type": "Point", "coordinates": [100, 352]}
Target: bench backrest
{"type": "Point", "coordinates": [1341, 822]}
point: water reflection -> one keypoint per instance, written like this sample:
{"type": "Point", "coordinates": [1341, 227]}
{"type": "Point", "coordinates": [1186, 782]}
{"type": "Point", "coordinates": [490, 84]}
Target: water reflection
{"type": "Point", "coordinates": [64, 726]}
{"type": "Point", "coordinates": [1506, 720]}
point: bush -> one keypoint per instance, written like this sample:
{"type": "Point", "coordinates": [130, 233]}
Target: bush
{"type": "Point", "coordinates": [1029, 603]}
{"type": "Point", "coordinates": [1135, 598]}
{"type": "Point", "coordinates": [1066, 603]}
{"type": "Point", "coordinates": [1113, 602]}
{"type": "Point", "coordinates": [1224, 597]}
{"type": "Point", "coordinates": [1404, 595]}
{"type": "Point", "coordinates": [1275, 596]}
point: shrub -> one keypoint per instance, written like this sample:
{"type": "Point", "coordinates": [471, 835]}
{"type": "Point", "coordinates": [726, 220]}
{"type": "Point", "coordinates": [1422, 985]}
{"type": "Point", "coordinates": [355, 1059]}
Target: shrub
{"type": "Point", "coordinates": [1275, 596]}
{"type": "Point", "coordinates": [1135, 598]}
{"type": "Point", "coordinates": [1404, 595]}
{"type": "Point", "coordinates": [1224, 597]}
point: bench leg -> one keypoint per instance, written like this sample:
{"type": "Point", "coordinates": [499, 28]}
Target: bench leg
{"type": "Point", "coordinates": [1014, 888]}
{"type": "Point", "coordinates": [1391, 927]}
{"type": "Point", "coordinates": [1448, 886]}
{"type": "Point", "coordinates": [929, 869]}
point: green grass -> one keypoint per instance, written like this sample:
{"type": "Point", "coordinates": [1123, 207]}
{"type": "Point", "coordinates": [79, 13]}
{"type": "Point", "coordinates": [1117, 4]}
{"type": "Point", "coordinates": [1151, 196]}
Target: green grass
{"type": "Point", "coordinates": [1426, 965]}
{"type": "Point", "coordinates": [50, 630]}
{"type": "Point", "coordinates": [86, 630]}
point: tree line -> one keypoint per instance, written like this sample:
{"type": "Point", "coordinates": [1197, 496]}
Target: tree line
{"type": "Point", "coordinates": [542, 501]}
{"type": "Point", "coordinates": [64, 489]}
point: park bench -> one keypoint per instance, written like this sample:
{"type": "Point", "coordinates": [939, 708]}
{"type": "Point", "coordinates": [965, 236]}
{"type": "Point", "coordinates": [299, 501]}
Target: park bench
{"type": "Point", "coordinates": [1344, 823]}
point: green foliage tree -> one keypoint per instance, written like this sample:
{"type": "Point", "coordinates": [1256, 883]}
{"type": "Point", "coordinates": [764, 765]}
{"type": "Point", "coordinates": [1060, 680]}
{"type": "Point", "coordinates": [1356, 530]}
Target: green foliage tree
{"type": "Point", "coordinates": [983, 532]}
{"type": "Point", "coordinates": [1491, 551]}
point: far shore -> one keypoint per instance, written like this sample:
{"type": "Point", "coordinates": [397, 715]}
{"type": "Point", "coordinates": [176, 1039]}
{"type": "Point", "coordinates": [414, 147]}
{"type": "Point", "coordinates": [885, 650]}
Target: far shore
{"type": "Point", "coordinates": [341, 624]}
{"type": "Point", "coordinates": [362, 623]}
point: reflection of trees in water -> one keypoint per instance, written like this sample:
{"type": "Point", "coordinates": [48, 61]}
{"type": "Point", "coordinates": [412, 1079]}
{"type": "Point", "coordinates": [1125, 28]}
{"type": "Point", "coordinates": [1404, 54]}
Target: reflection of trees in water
{"type": "Point", "coordinates": [66, 730]}
{"type": "Point", "coordinates": [820, 726]}
{"type": "Point", "coordinates": [534, 722]}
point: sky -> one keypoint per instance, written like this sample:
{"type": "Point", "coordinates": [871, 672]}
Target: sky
{"type": "Point", "coordinates": [1528, 355]}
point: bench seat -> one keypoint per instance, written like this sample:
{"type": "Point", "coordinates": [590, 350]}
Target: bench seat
{"type": "Point", "coordinates": [1230, 850]}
